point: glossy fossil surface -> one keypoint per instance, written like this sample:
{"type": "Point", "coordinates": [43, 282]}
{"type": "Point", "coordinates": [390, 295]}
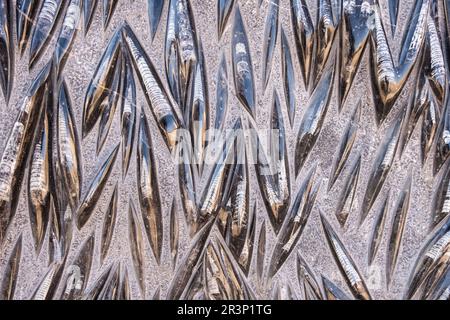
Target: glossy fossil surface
{"type": "Point", "coordinates": [325, 257]}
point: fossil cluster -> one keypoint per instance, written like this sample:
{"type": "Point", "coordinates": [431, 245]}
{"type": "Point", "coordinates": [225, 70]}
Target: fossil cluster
{"type": "Point", "coordinates": [224, 149]}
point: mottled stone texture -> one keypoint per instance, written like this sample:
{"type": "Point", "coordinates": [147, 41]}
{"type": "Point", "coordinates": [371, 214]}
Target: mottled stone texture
{"type": "Point", "coordinates": [313, 246]}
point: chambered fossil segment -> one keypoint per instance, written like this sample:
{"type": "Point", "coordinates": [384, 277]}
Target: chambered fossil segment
{"type": "Point", "coordinates": [224, 149]}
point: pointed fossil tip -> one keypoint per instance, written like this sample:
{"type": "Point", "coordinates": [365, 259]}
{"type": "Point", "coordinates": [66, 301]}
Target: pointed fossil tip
{"type": "Point", "coordinates": [200, 168]}
{"type": "Point", "coordinates": [433, 225]}
{"type": "Point", "coordinates": [297, 170]}
{"type": "Point", "coordinates": [19, 239]}
{"type": "Point", "coordinates": [105, 22]}
{"type": "Point", "coordinates": [264, 79]}
{"type": "Point", "coordinates": [79, 223]}
{"type": "Point", "coordinates": [423, 158]}
{"type": "Point", "coordinates": [409, 178]}
{"type": "Point", "coordinates": [342, 220]}
{"type": "Point", "coordinates": [98, 149]}
{"type": "Point", "coordinates": [33, 59]}
{"type": "Point", "coordinates": [340, 104]}
{"type": "Point", "coordinates": [7, 96]}
{"type": "Point", "coordinates": [370, 258]}
{"type": "Point", "coordinates": [156, 295]}
{"type": "Point", "coordinates": [238, 124]}
{"type": "Point", "coordinates": [115, 152]}
{"type": "Point", "coordinates": [268, 277]}
{"type": "Point", "coordinates": [393, 27]}
{"type": "Point", "coordinates": [219, 33]}
{"type": "Point", "coordinates": [102, 257]}
{"type": "Point", "coordinates": [39, 244]}
{"type": "Point", "coordinates": [237, 12]}
{"type": "Point", "coordinates": [153, 35]}
{"type": "Point", "coordinates": [124, 24]}
{"type": "Point", "coordinates": [401, 146]}
{"type": "Point", "coordinates": [436, 166]}
{"type": "Point", "coordinates": [362, 216]}
{"type": "Point", "coordinates": [130, 205]}
{"type": "Point", "coordinates": [379, 119]}
{"type": "Point", "coordinates": [84, 131]}
{"type": "Point", "coordinates": [325, 281]}
{"type": "Point", "coordinates": [300, 260]}
{"type": "Point", "coordinates": [356, 115]}
{"type": "Point", "coordinates": [173, 206]}
{"type": "Point", "coordinates": [323, 219]}
{"type": "Point", "coordinates": [21, 48]}
{"type": "Point", "coordinates": [91, 237]}
{"type": "Point", "coordinates": [388, 279]}
{"type": "Point", "coordinates": [409, 294]}
{"type": "Point", "coordinates": [158, 258]}
{"type": "Point", "coordinates": [330, 184]}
